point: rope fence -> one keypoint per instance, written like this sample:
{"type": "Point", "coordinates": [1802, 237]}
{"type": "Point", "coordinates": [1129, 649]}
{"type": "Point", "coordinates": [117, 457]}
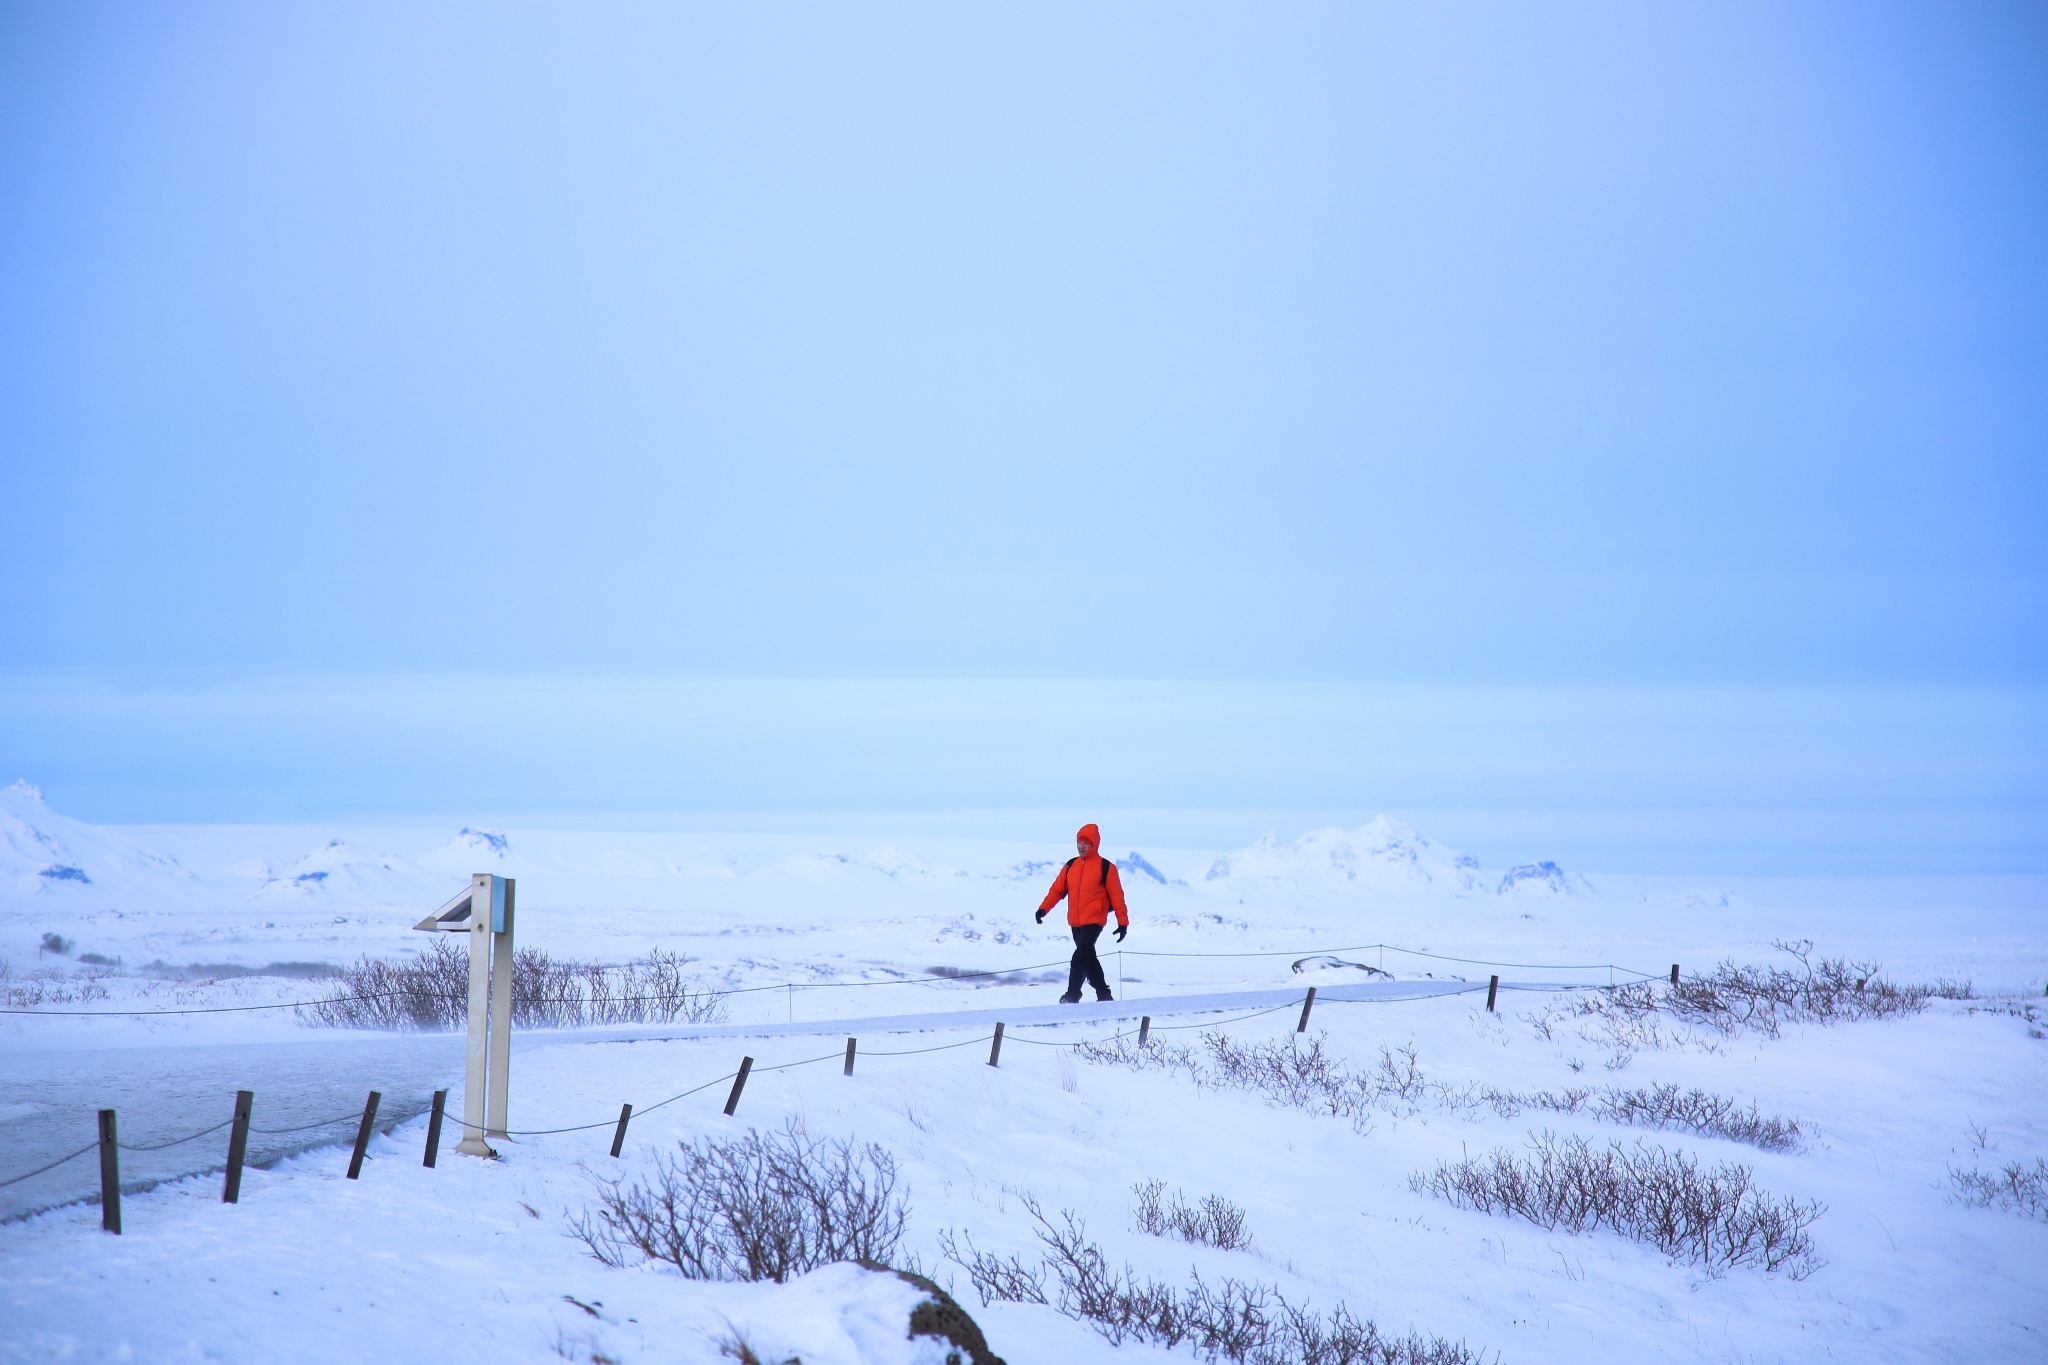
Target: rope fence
{"type": "Point", "coordinates": [30, 1175]}
{"type": "Point", "coordinates": [109, 1145]}
{"type": "Point", "coordinates": [178, 1142]}
{"type": "Point", "coordinates": [305, 1127]}
{"type": "Point", "coordinates": [937, 981]}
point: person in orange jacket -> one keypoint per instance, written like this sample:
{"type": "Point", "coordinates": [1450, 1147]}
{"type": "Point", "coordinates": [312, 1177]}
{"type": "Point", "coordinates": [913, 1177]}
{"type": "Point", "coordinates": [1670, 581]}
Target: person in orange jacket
{"type": "Point", "coordinates": [1092, 889]}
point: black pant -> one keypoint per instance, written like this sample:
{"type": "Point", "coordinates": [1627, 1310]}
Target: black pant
{"type": "Point", "coordinates": [1086, 963]}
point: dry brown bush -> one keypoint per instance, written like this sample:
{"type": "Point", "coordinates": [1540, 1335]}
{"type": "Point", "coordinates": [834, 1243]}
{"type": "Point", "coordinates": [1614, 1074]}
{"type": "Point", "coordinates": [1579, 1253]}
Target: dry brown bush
{"type": "Point", "coordinates": [2014, 1187]}
{"type": "Point", "coordinates": [1713, 1217]}
{"type": "Point", "coordinates": [1830, 991]}
{"type": "Point", "coordinates": [431, 992]}
{"type": "Point", "coordinates": [1234, 1320]}
{"type": "Point", "coordinates": [1660, 1106]}
{"type": "Point", "coordinates": [759, 1207]}
{"type": "Point", "coordinates": [1215, 1221]}
{"type": "Point", "coordinates": [1300, 1073]}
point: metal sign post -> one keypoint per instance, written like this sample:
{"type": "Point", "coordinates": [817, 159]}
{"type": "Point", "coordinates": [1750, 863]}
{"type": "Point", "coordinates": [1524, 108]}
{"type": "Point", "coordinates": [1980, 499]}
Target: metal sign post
{"type": "Point", "coordinates": [484, 912]}
{"type": "Point", "coordinates": [501, 1006]}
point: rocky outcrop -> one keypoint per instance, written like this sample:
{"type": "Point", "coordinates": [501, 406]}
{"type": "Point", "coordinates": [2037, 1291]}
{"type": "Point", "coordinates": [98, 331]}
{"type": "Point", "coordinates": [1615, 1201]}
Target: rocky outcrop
{"type": "Point", "coordinates": [940, 1315]}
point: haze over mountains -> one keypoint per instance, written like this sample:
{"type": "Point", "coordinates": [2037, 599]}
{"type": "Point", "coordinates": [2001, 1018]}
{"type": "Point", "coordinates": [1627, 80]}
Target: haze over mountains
{"type": "Point", "coordinates": [240, 889]}
{"type": "Point", "coordinates": [823, 906]}
{"type": "Point", "coordinates": [44, 853]}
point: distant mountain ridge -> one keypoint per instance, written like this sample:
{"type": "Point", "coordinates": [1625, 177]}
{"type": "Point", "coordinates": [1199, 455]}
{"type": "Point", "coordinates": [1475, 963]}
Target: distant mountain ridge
{"type": "Point", "coordinates": [42, 851]}
{"type": "Point", "coordinates": [1382, 855]}
{"type": "Point", "coordinates": [1543, 876]}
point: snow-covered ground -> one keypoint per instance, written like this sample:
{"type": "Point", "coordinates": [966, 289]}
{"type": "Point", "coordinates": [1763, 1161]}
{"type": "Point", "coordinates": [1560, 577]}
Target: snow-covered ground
{"type": "Point", "coordinates": [770, 909]}
{"type": "Point", "coordinates": [474, 1260]}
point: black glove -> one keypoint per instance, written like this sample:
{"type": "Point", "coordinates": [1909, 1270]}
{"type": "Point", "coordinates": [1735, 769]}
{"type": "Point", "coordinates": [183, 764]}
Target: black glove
{"type": "Point", "coordinates": [1121, 930]}
{"type": "Point", "coordinates": [1041, 917]}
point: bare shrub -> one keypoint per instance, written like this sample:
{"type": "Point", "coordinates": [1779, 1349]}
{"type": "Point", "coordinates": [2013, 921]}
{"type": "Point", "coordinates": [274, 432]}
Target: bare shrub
{"type": "Point", "coordinates": [1732, 998]}
{"type": "Point", "coordinates": [548, 992]}
{"type": "Point", "coordinates": [759, 1207]}
{"type": "Point", "coordinates": [1214, 1222]}
{"type": "Point", "coordinates": [431, 992]}
{"type": "Point", "coordinates": [2016, 1188]}
{"type": "Point", "coordinates": [50, 986]}
{"type": "Point", "coordinates": [1234, 1320]}
{"type": "Point", "coordinates": [1302, 1075]}
{"type": "Point", "coordinates": [1628, 1019]}
{"type": "Point", "coordinates": [1714, 1218]}
{"type": "Point", "coordinates": [2027, 1011]}
{"type": "Point", "coordinates": [1830, 991]}
{"type": "Point", "coordinates": [998, 1279]}
{"type": "Point", "coordinates": [1698, 1111]}
{"type": "Point", "coordinates": [1154, 1056]}
{"type": "Point", "coordinates": [1660, 1106]}
{"type": "Point", "coordinates": [427, 994]}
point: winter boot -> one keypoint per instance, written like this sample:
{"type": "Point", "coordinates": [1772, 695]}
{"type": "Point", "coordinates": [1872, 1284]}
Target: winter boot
{"type": "Point", "coordinates": [1071, 998]}
{"type": "Point", "coordinates": [1103, 995]}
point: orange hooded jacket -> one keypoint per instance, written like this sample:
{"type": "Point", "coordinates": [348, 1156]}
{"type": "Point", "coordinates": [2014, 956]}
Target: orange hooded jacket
{"type": "Point", "coordinates": [1090, 885]}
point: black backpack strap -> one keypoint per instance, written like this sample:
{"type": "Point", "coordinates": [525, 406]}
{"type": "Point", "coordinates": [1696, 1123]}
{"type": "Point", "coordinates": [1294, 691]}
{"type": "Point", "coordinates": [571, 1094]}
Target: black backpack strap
{"type": "Point", "coordinates": [1102, 877]}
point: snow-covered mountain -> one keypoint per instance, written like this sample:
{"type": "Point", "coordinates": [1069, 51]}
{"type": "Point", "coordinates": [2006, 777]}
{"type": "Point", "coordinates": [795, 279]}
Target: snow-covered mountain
{"type": "Point", "coordinates": [43, 853]}
{"type": "Point", "coordinates": [471, 850]}
{"type": "Point", "coordinates": [46, 854]}
{"type": "Point", "coordinates": [1135, 865]}
{"type": "Point", "coordinates": [890, 863]}
{"type": "Point", "coordinates": [337, 872]}
{"type": "Point", "coordinates": [1380, 857]}
{"type": "Point", "coordinates": [274, 894]}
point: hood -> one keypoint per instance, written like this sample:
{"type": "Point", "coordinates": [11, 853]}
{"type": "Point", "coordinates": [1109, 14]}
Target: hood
{"type": "Point", "coordinates": [1091, 835]}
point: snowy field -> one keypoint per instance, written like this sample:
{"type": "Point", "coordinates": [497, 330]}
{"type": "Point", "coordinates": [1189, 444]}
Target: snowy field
{"type": "Point", "coordinates": [477, 1260]}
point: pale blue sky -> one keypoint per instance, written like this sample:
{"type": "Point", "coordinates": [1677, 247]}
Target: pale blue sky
{"type": "Point", "coordinates": [1481, 347]}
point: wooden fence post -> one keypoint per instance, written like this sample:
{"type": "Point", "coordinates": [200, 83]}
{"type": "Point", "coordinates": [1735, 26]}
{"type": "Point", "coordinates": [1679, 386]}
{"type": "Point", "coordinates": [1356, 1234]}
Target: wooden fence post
{"type": "Point", "coordinates": [1144, 1030]}
{"type": "Point", "coordinates": [1674, 974]}
{"type": "Point", "coordinates": [434, 1127]}
{"type": "Point", "coordinates": [1306, 1006]}
{"type": "Point", "coordinates": [238, 1147]}
{"type": "Point", "coordinates": [369, 1124]}
{"type": "Point", "coordinates": [110, 1174]}
{"type": "Point", "coordinates": [849, 1056]}
{"type": "Point", "coordinates": [739, 1083]}
{"type": "Point", "coordinates": [1492, 990]}
{"type": "Point", "coordinates": [619, 1135]}
{"type": "Point", "coordinates": [995, 1048]}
